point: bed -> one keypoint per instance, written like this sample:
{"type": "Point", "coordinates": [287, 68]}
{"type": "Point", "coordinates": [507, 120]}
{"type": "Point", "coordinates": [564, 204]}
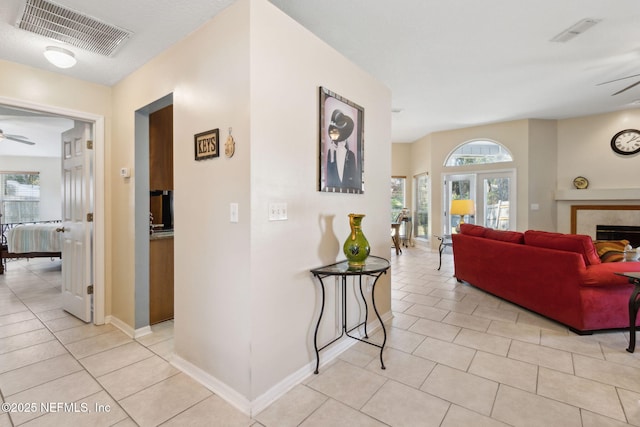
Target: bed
{"type": "Point", "coordinates": [33, 240]}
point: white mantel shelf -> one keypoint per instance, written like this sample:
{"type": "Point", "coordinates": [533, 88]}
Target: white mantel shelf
{"type": "Point", "coordinates": [599, 194]}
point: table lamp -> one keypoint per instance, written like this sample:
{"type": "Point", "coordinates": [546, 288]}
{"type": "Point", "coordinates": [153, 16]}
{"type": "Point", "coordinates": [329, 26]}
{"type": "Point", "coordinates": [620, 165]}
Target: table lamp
{"type": "Point", "coordinates": [462, 207]}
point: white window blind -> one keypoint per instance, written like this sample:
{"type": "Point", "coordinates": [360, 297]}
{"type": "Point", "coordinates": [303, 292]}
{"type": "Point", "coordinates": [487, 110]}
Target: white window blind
{"type": "Point", "coordinates": [19, 197]}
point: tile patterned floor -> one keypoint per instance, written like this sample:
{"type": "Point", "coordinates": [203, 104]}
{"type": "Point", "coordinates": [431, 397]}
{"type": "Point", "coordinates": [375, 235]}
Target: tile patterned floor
{"type": "Point", "coordinates": [455, 357]}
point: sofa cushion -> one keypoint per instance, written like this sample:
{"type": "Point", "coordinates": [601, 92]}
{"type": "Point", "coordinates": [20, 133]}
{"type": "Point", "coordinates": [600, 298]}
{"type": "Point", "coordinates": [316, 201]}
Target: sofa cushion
{"type": "Point", "coordinates": [473, 230]}
{"type": "Point", "coordinates": [611, 250]}
{"type": "Point", "coordinates": [505, 236]}
{"type": "Point", "coordinates": [578, 243]}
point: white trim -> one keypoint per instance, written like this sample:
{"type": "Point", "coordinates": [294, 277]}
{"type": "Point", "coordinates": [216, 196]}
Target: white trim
{"type": "Point", "coordinates": [124, 327]}
{"type": "Point", "coordinates": [212, 383]}
{"type": "Point", "coordinates": [252, 408]}
{"type": "Point", "coordinates": [99, 225]}
{"type": "Point", "coordinates": [599, 194]}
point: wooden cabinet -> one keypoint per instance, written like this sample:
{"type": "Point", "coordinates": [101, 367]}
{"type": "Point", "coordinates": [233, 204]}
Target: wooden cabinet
{"type": "Point", "coordinates": [160, 279]}
{"type": "Point", "coordinates": [161, 149]}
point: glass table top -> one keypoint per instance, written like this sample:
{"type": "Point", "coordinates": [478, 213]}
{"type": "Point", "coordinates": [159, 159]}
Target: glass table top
{"type": "Point", "coordinates": [372, 264]}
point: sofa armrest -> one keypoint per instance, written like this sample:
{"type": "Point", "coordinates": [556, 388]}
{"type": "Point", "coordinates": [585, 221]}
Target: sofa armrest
{"type": "Point", "coordinates": [603, 275]}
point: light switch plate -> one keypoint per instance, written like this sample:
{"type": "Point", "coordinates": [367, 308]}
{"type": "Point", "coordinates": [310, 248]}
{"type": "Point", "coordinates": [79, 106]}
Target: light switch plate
{"type": "Point", "coordinates": [233, 212]}
{"type": "Point", "coordinates": [278, 212]}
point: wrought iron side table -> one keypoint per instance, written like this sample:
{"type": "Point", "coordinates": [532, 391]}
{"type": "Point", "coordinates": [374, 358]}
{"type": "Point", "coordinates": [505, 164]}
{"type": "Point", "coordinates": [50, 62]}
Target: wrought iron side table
{"type": "Point", "coordinates": [634, 304]}
{"type": "Point", "coordinates": [445, 241]}
{"type": "Point", "coordinates": [373, 267]}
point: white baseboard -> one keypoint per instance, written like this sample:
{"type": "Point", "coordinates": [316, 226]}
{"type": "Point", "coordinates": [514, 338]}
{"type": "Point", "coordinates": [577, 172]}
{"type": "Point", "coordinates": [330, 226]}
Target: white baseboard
{"type": "Point", "coordinates": [212, 383]}
{"type": "Point", "coordinates": [133, 333]}
{"type": "Point", "coordinates": [252, 408]}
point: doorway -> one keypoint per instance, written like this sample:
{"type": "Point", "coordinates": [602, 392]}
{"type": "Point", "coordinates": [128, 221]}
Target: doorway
{"type": "Point", "coordinates": [492, 193]}
{"type": "Point", "coordinates": [93, 181]}
{"type": "Point", "coordinates": [143, 191]}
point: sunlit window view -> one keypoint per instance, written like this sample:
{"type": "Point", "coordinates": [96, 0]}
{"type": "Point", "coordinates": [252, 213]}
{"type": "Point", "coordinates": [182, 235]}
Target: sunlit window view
{"type": "Point", "coordinates": [478, 152]}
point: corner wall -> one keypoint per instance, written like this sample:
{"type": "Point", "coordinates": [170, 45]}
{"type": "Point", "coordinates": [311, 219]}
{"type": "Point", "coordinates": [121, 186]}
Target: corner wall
{"type": "Point", "coordinates": [288, 64]}
{"type": "Point", "coordinates": [245, 301]}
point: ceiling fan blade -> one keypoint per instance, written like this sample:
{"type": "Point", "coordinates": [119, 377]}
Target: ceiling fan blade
{"type": "Point", "coordinates": [9, 135]}
{"type": "Point", "coordinates": [617, 80]}
{"type": "Point", "coordinates": [626, 88]}
{"type": "Point", "coordinates": [20, 140]}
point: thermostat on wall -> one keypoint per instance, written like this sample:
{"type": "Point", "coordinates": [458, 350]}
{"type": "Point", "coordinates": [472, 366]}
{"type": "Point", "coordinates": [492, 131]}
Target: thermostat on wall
{"type": "Point", "coordinates": [125, 172]}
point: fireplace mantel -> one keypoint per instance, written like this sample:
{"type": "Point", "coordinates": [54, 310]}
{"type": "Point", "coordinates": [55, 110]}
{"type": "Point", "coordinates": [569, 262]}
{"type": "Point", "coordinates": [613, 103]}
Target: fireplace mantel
{"type": "Point", "coordinates": [598, 194]}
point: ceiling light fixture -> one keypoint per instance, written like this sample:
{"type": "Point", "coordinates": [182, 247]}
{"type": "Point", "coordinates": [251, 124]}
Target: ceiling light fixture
{"type": "Point", "coordinates": [60, 57]}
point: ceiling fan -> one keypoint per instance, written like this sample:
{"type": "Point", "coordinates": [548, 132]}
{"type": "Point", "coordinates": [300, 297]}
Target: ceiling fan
{"type": "Point", "coordinates": [622, 78]}
{"type": "Point", "coordinates": [17, 138]}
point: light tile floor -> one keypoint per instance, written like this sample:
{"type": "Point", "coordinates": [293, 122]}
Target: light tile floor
{"type": "Point", "coordinates": [455, 356]}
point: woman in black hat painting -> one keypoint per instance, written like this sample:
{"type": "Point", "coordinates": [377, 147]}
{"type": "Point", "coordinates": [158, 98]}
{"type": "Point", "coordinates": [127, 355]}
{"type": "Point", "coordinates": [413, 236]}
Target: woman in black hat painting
{"type": "Point", "coordinates": [342, 169]}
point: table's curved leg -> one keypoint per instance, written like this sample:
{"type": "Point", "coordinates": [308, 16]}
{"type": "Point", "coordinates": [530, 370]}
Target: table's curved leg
{"type": "Point", "coordinates": [634, 303]}
{"type": "Point", "coordinates": [366, 309]}
{"type": "Point", "coordinates": [315, 334]}
{"type": "Point", "coordinates": [440, 250]}
{"type": "Point", "coordinates": [384, 331]}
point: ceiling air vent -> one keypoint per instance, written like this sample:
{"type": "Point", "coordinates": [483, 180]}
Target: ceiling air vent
{"type": "Point", "coordinates": [68, 26]}
{"type": "Point", "coordinates": [575, 30]}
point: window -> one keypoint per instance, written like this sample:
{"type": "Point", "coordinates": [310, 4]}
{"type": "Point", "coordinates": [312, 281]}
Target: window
{"type": "Point", "coordinates": [398, 201]}
{"type": "Point", "coordinates": [19, 197]}
{"type": "Point", "coordinates": [478, 151]}
{"type": "Point", "coordinates": [421, 210]}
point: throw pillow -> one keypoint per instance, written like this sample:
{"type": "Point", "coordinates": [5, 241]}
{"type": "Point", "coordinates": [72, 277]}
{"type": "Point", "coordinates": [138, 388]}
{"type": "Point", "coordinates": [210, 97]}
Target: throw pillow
{"type": "Point", "coordinates": [611, 250]}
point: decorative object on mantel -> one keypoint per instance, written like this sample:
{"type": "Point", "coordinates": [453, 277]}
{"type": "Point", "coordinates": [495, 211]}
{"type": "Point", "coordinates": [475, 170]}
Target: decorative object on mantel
{"type": "Point", "coordinates": [626, 142]}
{"type": "Point", "coordinates": [207, 144]}
{"type": "Point", "coordinates": [356, 247]}
{"type": "Point", "coordinates": [229, 146]}
{"type": "Point", "coordinates": [580, 182]}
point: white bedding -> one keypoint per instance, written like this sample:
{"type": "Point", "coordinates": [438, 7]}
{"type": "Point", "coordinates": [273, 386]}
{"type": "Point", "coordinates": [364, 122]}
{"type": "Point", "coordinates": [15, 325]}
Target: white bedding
{"type": "Point", "coordinates": [34, 238]}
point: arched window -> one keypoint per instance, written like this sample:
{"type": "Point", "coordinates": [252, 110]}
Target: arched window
{"type": "Point", "coordinates": [478, 151]}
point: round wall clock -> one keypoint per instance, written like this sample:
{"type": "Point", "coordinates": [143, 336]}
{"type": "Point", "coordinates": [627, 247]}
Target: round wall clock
{"type": "Point", "coordinates": [626, 142]}
{"type": "Point", "coordinates": [580, 182]}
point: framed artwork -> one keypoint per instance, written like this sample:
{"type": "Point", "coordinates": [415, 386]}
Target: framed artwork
{"type": "Point", "coordinates": [341, 144]}
{"type": "Point", "coordinates": [207, 144]}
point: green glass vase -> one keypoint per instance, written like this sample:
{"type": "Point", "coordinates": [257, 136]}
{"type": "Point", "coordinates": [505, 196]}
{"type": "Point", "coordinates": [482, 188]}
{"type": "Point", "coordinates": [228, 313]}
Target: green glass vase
{"type": "Point", "coordinates": [356, 247]}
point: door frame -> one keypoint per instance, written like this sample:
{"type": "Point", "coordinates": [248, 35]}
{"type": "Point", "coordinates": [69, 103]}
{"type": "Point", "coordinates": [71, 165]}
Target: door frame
{"type": "Point", "coordinates": [99, 236]}
{"type": "Point", "coordinates": [476, 193]}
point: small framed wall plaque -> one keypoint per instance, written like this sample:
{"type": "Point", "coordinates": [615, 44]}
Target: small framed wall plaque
{"type": "Point", "coordinates": [207, 144]}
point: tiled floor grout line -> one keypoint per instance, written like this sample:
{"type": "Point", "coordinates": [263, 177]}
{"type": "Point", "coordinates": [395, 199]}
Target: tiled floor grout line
{"type": "Point", "coordinates": [44, 324]}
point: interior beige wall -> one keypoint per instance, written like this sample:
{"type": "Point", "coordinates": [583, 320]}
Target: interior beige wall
{"type": "Point", "coordinates": [51, 90]}
{"type": "Point", "coordinates": [208, 74]}
{"type": "Point", "coordinates": [584, 149]}
{"type": "Point", "coordinates": [245, 301]}
{"type": "Point", "coordinates": [288, 64]}
{"type": "Point", "coordinates": [548, 154]}
{"type": "Point", "coordinates": [401, 166]}
{"type": "Point", "coordinates": [513, 135]}
{"type": "Point", "coordinates": [541, 185]}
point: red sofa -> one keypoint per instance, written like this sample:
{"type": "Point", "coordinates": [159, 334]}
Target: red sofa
{"type": "Point", "coordinates": [559, 276]}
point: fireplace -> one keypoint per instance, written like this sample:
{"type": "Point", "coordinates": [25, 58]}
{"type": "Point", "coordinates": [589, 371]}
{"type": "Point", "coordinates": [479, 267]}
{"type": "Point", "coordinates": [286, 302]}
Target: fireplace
{"type": "Point", "coordinates": [619, 232]}
{"type": "Point", "coordinates": [607, 222]}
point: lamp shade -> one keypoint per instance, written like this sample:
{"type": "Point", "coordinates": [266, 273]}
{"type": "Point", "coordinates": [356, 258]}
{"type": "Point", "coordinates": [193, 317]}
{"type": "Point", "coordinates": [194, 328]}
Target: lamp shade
{"type": "Point", "coordinates": [61, 58]}
{"type": "Point", "coordinates": [462, 207]}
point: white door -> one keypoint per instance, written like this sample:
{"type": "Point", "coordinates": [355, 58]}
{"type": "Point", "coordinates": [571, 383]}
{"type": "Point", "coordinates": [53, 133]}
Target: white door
{"type": "Point", "coordinates": [493, 192]}
{"type": "Point", "coordinates": [77, 204]}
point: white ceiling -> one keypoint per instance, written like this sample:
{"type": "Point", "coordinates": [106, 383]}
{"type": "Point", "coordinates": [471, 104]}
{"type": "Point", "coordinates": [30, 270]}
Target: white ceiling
{"type": "Point", "coordinates": [449, 64]}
